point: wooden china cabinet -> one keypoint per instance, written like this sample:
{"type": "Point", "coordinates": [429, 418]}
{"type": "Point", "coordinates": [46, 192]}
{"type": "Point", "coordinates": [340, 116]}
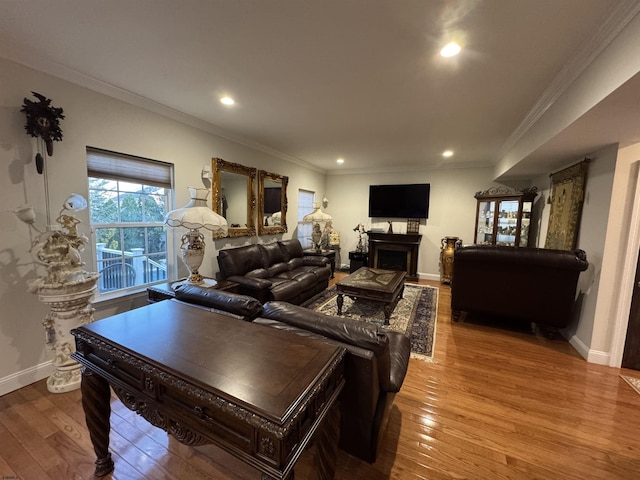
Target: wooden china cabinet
{"type": "Point", "coordinates": [503, 216]}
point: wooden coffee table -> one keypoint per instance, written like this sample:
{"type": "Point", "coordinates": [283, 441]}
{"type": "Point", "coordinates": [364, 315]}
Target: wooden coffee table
{"type": "Point", "coordinates": [385, 286]}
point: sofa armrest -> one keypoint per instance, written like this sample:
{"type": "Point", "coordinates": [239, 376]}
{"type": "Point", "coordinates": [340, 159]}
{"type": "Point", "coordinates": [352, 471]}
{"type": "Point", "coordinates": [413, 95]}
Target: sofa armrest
{"type": "Point", "coordinates": [314, 261]}
{"type": "Point", "coordinates": [400, 352]}
{"type": "Point", "coordinates": [240, 305]}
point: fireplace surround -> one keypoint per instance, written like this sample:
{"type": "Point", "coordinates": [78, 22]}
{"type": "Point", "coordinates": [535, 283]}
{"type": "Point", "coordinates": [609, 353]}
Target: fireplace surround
{"type": "Point", "coordinates": [395, 251]}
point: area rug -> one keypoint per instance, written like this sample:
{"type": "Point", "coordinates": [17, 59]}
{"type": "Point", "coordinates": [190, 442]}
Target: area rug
{"type": "Point", "coordinates": [415, 315]}
{"type": "Point", "coordinates": [634, 382]}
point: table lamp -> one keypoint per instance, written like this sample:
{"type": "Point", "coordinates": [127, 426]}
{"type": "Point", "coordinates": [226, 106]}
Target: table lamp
{"type": "Point", "coordinates": [317, 217]}
{"type": "Point", "coordinates": [194, 216]}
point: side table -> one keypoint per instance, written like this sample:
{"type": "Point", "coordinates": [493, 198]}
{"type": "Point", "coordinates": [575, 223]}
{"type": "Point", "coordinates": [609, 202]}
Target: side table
{"type": "Point", "coordinates": [358, 260]}
{"type": "Point", "coordinates": [163, 291]}
{"type": "Point", "coordinates": [330, 254]}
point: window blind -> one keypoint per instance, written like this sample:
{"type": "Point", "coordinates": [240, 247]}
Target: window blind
{"type": "Point", "coordinates": [115, 166]}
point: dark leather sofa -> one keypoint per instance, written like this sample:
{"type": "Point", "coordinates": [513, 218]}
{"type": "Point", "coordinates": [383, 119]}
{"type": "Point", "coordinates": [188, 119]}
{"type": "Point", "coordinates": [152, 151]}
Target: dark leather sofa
{"type": "Point", "coordinates": [376, 360]}
{"type": "Point", "coordinates": [275, 271]}
{"type": "Point", "coordinates": [531, 284]}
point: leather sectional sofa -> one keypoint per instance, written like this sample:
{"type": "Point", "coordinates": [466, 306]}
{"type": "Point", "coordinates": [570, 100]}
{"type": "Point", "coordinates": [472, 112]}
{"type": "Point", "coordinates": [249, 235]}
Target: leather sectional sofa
{"type": "Point", "coordinates": [275, 271]}
{"type": "Point", "coordinates": [531, 284]}
{"type": "Point", "coordinates": [376, 360]}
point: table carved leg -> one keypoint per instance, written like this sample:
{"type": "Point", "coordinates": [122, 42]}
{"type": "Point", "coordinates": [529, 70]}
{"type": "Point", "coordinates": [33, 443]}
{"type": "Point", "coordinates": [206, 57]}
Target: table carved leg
{"type": "Point", "coordinates": [340, 301]}
{"type": "Point", "coordinates": [96, 403]}
{"type": "Point", "coordinates": [328, 436]}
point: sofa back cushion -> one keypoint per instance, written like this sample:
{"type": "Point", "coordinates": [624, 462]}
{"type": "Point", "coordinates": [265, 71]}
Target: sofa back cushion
{"type": "Point", "coordinates": [273, 254]}
{"type": "Point", "coordinates": [240, 260]}
{"type": "Point", "coordinates": [241, 305]}
{"type": "Point", "coordinates": [291, 249]}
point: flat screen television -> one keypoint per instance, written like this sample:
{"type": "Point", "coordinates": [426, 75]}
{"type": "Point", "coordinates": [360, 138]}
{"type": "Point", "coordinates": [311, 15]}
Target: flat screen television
{"type": "Point", "coordinates": [399, 201]}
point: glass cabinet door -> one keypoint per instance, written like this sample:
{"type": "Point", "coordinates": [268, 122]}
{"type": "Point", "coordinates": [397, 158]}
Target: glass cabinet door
{"type": "Point", "coordinates": [507, 222]}
{"type": "Point", "coordinates": [486, 219]}
{"type": "Point", "coordinates": [504, 216]}
{"type": "Point", "coordinates": [525, 222]}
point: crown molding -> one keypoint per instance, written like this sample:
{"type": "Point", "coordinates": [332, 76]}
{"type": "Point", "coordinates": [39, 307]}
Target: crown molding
{"type": "Point", "coordinates": [585, 55]}
{"type": "Point", "coordinates": [37, 62]}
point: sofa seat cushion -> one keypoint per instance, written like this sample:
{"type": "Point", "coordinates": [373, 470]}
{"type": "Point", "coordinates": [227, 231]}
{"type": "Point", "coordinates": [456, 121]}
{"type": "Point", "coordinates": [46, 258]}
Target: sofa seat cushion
{"type": "Point", "coordinates": [276, 269]}
{"type": "Point", "coordinates": [258, 273]}
{"type": "Point", "coordinates": [286, 290]}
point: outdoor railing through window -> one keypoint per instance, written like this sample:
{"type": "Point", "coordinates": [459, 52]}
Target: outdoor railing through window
{"type": "Point", "coordinates": [128, 199]}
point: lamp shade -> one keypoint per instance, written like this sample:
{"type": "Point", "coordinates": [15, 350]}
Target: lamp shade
{"type": "Point", "coordinates": [196, 214]}
{"type": "Point", "coordinates": [317, 216]}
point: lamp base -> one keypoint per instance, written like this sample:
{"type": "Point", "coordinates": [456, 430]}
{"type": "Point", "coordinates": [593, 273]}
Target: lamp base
{"type": "Point", "coordinates": [206, 282]}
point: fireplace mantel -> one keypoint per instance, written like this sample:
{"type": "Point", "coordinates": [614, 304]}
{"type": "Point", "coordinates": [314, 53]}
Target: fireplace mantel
{"type": "Point", "coordinates": [408, 243]}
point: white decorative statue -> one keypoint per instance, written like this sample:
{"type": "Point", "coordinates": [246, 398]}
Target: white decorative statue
{"type": "Point", "coordinates": [66, 288]}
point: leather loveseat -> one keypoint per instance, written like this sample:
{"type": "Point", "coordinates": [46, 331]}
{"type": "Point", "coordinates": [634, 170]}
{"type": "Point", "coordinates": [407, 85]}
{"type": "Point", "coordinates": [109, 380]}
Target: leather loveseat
{"type": "Point", "coordinates": [376, 360]}
{"type": "Point", "coordinates": [275, 271]}
{"type": "Point", "coordinates": [531, 284]}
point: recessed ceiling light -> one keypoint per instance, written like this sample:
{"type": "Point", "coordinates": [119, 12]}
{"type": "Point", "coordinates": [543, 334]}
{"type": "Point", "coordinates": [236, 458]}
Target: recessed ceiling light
{"type": "Point", "coordinates": [447, 153]}
{"type": "Point", "coordinates": [451, 49]}
{"type": "Point", "coordinates": [340, 161]}
{"type": "Point", "coordinates": [227, 101]}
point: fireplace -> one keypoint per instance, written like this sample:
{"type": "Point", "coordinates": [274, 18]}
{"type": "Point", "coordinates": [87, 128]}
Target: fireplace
{"type": "Point", "coordinates": [392, 259]}
{"type": "Point", "coordinates": [392, 251]}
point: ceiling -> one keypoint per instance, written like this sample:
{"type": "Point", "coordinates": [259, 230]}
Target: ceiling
{"type": "Point", "coordinates": [318, 80]}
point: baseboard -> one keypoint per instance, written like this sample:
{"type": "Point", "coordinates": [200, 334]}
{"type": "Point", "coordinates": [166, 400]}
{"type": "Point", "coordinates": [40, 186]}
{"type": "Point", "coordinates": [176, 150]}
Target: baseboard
{"type": "Point", "coordinates": [25, 377]}
{"type": "Point", "coordinates": [591, 356]}
{"type": "Point", "coordinates": [429, 276]}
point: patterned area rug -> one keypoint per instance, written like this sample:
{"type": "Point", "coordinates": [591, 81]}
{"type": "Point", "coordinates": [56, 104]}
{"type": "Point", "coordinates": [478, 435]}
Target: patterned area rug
{"type": "Point", "coordinates": [634, 382]}
{"type": "Point", "coordinates": [415, 315]}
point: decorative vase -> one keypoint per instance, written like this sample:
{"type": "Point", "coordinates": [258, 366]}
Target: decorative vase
{"type": "Point", "coordinates": [449, 246]}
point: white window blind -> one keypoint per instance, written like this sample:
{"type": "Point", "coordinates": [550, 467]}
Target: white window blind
{"type": "Point", "coordinates": [305, 207]}
{"type": "Point", "coordinates": [115, 166]}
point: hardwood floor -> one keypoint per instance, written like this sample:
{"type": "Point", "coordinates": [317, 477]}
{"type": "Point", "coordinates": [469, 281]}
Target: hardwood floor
{"type": "Point", "coordinates": [497, 403]}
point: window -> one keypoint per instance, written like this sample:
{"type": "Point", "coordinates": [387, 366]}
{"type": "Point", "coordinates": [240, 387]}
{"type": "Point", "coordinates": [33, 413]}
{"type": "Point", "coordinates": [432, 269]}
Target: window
{"type": "Point", "coordinates": [128, 198]}
{"type": "Point", "coordinates": [305, 207]}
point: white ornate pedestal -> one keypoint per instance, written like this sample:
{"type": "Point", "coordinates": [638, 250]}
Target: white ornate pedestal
{"type": "Point", "coordinates": [70, 308]}
{"type": "Point", "coordinates": [66, 289]}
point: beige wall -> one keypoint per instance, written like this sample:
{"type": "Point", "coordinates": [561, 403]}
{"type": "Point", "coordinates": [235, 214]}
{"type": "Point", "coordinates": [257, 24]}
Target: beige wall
{"type": "Point", "coordinates": [451, 211]}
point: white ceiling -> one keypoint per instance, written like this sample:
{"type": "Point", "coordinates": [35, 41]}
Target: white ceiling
{"type": "Point", "coordinates": [315, 80]}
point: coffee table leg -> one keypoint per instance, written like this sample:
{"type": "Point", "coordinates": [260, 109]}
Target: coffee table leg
{"type": "Point", "coordinates": [340, 301]}
{"type": "Point", "coordinates": [388, 308]}
{"type": "Point", "coordinates": [96, 403]}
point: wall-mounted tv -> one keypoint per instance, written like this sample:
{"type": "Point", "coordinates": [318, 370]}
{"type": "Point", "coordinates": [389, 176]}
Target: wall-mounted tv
{"type": "Point", "coordinates": [399, 201]}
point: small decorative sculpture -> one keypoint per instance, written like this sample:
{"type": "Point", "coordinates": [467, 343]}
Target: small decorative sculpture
{"type": "Point", "coordinates": [361, 232]}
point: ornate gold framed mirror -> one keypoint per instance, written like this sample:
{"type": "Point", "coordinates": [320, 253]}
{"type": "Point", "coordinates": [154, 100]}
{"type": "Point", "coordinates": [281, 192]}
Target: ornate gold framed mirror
{"type": "Point", "coordinates": [233, 196]}
{"type": "Point", "coordinates": [272, 203]}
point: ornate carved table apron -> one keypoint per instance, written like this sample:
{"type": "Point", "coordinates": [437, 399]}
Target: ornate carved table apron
{"type": "Point", "coordinates": [257, 392]}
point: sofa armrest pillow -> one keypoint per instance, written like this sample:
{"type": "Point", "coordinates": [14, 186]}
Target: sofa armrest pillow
{"type": "Point", "coordinates": [241, 305]}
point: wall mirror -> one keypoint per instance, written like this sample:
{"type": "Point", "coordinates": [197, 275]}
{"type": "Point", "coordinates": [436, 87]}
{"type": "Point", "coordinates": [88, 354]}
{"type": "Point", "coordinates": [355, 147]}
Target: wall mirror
{"type": "Point", "coordinates": [272, 203]}
{"type": "Point", "coordinates": [233, 196]}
